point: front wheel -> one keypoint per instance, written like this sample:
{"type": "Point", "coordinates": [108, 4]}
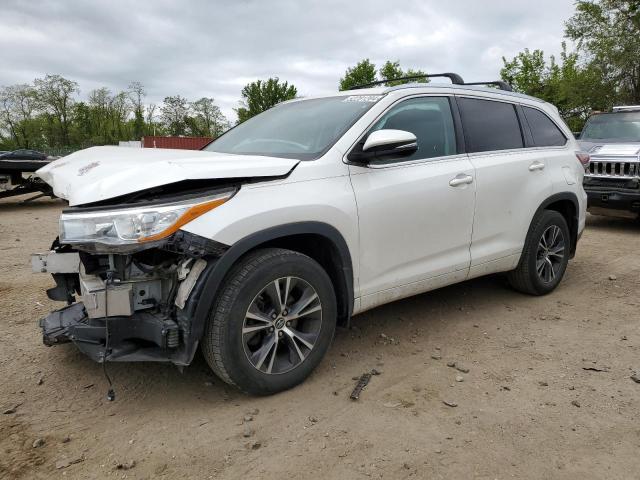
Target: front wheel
{"type": "Point", "coordinates": [545, 256]}
{"type": "Point", "coordinates": [272, 323]}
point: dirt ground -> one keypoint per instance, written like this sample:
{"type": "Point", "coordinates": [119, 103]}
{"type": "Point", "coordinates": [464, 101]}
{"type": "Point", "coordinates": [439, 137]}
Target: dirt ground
{"type": "Point", "coordinates": [527, 408]}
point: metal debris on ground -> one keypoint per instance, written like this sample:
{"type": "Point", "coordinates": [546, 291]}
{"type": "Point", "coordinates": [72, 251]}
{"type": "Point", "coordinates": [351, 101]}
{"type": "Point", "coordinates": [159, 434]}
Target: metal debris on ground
{"type": "Point", "coordinates": [362, 382]}
{"type": "Point", "coordinates": [66, 462]}
{"type": "Point", "coordinates": [596, 369]}
{"type": "Point", "coordinates": [126, 465]}
{"type": "Point", "coordinates": [11, 410]}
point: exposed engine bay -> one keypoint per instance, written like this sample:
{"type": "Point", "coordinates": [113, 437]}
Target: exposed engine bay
{"type": "Point", "coordinates": [127, 307]}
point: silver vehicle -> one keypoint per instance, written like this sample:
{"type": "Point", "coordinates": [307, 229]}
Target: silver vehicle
{"type": "Point", "coordinates": [612, 179]}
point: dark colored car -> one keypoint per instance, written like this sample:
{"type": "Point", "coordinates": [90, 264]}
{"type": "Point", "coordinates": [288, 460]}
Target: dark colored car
{"type": "Point", "coordinates": [23, 154]}
{"type": "Point", "coordinates": [612, 179]}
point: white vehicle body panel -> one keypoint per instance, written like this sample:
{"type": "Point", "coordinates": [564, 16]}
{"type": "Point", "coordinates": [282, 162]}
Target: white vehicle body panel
{"type": "Point", "coordinates": [101, 173]}
{"type": "Point", "coordinates": [318, 191]}
{"type": "Point", "coordinates": [507, 196]}
{"type": "Point", "coordinates": [413, 224]}
{"type": "Point", "coordinates": [407, 228]}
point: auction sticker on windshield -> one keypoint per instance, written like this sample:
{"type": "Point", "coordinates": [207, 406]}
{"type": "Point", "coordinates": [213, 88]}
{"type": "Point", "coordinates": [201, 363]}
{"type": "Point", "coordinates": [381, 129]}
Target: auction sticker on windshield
{"type": "Point", "coordinates": [362, 98]}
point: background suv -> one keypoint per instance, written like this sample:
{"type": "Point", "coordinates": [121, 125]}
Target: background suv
{"type": "Point", "coordinates": [316, 210]}
{"type": "Point", "coordinates": [612, 181]}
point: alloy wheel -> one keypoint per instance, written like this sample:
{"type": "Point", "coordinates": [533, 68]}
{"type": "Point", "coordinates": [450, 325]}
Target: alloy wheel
{"type": "Point", "coordinates": [282, 325]}
{"type": "Point", "coordinates": [550, 254]}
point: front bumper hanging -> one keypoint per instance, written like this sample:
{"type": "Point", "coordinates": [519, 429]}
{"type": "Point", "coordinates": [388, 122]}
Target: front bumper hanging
{"type": "Point", "coordinates": [159, 335]}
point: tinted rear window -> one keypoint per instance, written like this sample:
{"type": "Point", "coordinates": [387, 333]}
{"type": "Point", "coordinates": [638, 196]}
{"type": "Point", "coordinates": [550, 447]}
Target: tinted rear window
{"type": "Point", "coordinates": [545, 132]}
{"type": "Point", "coordinates": [490, 125]}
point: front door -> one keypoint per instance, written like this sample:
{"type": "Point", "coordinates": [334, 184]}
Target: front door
{"type": "Point", "coordinates": [415, 213]}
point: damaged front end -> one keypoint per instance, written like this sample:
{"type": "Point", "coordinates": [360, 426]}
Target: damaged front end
{"type": "Point", "coordinates": [131, 279]}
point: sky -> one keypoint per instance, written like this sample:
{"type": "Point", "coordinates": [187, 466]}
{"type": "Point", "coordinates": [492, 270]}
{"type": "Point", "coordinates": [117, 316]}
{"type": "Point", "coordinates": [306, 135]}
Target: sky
{"type": "Point", "coordinates": [213, 48]}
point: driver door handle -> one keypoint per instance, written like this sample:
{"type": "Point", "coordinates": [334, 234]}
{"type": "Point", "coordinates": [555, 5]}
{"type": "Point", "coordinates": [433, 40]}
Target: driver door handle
{"type": "Point", "coordinates": [460, 179]}
{"type": "Point", "coordinates": [536, 166]}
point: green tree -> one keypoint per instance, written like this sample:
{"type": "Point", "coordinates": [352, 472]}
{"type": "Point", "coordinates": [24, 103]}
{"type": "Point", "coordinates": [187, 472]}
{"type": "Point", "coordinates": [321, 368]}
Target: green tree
{"type": "Point", "coordinates": [261, 95]}
{"type": "Point", "coordinates": [136, 95]}
{"type": "Point", "coordinates": [364, 72]}
{"type": "Point", "coordinates": [18, 106]}
{"type": "Point", "coordinates": [207, 120]}
{"type": "Point", "coordinates": [391, 71]}
{"type": "Point", "coordinates": [608, 33]}
{"type": "Point", "coordinates": [573, 87]}
{"type": "Point", "coordinates": [174, 113]}
{"type": "Point", "coordinates": [527, 72]}
{"type": "Point", "coordinates": [56, 95]}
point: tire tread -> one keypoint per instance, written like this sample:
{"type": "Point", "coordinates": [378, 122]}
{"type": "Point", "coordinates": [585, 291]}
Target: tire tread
{"type": "Point", "coordinates": [214, 333]}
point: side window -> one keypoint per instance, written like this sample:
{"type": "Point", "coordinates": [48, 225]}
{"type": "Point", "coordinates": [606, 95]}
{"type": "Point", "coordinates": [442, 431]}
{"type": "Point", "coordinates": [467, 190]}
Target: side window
{"type": "Point", "coordinates": [490, 125]}
{"type": "Point", "coordinates": [545, 132]}
{"type": "Point", "coordinates": [429, 119]}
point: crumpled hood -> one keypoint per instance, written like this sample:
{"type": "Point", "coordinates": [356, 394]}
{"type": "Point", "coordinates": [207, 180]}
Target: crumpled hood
{"type": "Point", "coordinates": [100, 173]}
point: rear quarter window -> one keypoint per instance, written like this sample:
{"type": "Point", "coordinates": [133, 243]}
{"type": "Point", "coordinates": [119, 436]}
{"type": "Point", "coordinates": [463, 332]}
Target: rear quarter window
{"type": "Point", "coordinates": [490, 125]}
{"type": "Point", "coordinates": [544, 131]}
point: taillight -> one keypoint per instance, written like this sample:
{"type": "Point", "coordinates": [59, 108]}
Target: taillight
{"type": "Point", "coordinates": [583, 158]}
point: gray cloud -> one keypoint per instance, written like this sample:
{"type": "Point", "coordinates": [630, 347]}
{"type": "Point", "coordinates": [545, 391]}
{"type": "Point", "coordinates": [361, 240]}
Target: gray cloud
{"type": "Point", "coordinates": [206, 48]}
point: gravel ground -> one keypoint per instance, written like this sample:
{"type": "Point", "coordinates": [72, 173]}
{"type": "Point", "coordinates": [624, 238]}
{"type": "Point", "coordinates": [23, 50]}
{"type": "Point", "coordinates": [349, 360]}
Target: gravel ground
{"type": "Point", "coordinates": [548, 392]}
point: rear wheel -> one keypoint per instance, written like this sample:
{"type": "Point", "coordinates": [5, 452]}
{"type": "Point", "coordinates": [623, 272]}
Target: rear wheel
{"type": "Point", "coordinates": [545, 256]}
{"type": "Point", "coordinates": [272, 323]}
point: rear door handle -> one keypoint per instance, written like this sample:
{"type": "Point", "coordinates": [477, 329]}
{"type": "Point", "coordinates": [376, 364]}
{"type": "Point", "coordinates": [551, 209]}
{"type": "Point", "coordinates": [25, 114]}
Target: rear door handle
{"type": "Point", "coordinates": [460, 179]}
{"type": "Point", "coordinates": [536, 166]}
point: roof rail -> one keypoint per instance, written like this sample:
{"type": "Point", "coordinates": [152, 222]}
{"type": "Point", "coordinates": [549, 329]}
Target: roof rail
{"type": "Point", "coordinates": [454, 77]}
{"type": "Point", "coordinates": [498, 83]}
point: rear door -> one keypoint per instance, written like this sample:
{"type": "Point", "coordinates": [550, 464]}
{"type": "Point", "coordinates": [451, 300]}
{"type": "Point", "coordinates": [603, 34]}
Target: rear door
{"type": "Point", "coordinates": [415, 213]}
{"type": "Point", "coordinates": [512, 180]}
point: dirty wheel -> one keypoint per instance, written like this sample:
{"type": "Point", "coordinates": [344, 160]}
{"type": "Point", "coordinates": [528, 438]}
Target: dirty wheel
{"type": "Point", "coordinates": [272, 323]}
{"type": "Point", "coordinates": [545, 255]}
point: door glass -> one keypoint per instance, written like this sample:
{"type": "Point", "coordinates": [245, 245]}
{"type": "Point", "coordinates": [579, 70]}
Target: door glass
{"type": "Point", "coordinates": [490, 125]}
{"type": "Point", "coordinates": [545, 132]}
{"type": "Point", "coordinates": [429, 119]}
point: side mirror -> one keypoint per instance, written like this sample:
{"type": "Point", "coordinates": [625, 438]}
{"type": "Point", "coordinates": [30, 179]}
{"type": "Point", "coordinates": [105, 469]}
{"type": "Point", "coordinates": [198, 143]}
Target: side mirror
{"type": "Point", "coordinates": [577, 135]}
{"type": "Point", "coordinates": [385, 143]}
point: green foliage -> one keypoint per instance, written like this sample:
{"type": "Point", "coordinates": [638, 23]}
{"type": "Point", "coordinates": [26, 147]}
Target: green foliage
{"type": "Point", "coordinates": [365, 72]}
{"type": "Point", "coordinates": [575, 88]}
{"type": "Point", "coordinates": [48, 116]}
{"type": "Point", "coordinates": [391, 70]}
{"type": "Point", "coordinates": [174, 114]}
{"type": "Point", "coordinates": [604, 71]}
{"type": "Point", "coordinates": [261, 95]}
{"type": "Point", "coordinates": [207, 120]}
{"type": "Point", "coordinates": [56, 97]}
{"type": "Point", "coordinates": [608, 33]}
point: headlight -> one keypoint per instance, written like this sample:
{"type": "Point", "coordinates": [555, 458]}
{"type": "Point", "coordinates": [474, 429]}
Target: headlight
{"type": "Point", "coordinates": [132, 226]}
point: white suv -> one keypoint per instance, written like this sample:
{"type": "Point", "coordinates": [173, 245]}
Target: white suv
{"type": "Point", "coordinates": [309, 213]}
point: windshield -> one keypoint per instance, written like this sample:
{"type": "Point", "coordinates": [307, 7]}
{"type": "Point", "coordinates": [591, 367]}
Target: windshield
{"type": "Point", "coordinates": [613, 127]}
{"type": "Point", "coordinates": [303, 130]}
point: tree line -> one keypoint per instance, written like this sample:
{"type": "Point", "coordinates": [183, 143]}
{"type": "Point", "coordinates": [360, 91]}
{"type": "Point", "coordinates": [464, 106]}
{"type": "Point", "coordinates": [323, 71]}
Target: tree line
{"type": "Point", "coordinates": [602, 71]}
{"type": "Point", "coordinates": [47, 115]}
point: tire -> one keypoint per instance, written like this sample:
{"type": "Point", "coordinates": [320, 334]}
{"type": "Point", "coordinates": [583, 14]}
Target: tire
{"type": "Point", "coordinates": [527, 277]}
{"type": "Point", "coordinates": [248, 298]}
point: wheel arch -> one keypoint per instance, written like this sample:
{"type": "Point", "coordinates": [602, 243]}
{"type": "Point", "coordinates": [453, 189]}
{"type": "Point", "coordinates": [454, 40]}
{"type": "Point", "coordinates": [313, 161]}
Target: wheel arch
{"type": "Point", "coordinates": [320, 241]}
{"type": "Point", "coordinates": [565, 203]}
